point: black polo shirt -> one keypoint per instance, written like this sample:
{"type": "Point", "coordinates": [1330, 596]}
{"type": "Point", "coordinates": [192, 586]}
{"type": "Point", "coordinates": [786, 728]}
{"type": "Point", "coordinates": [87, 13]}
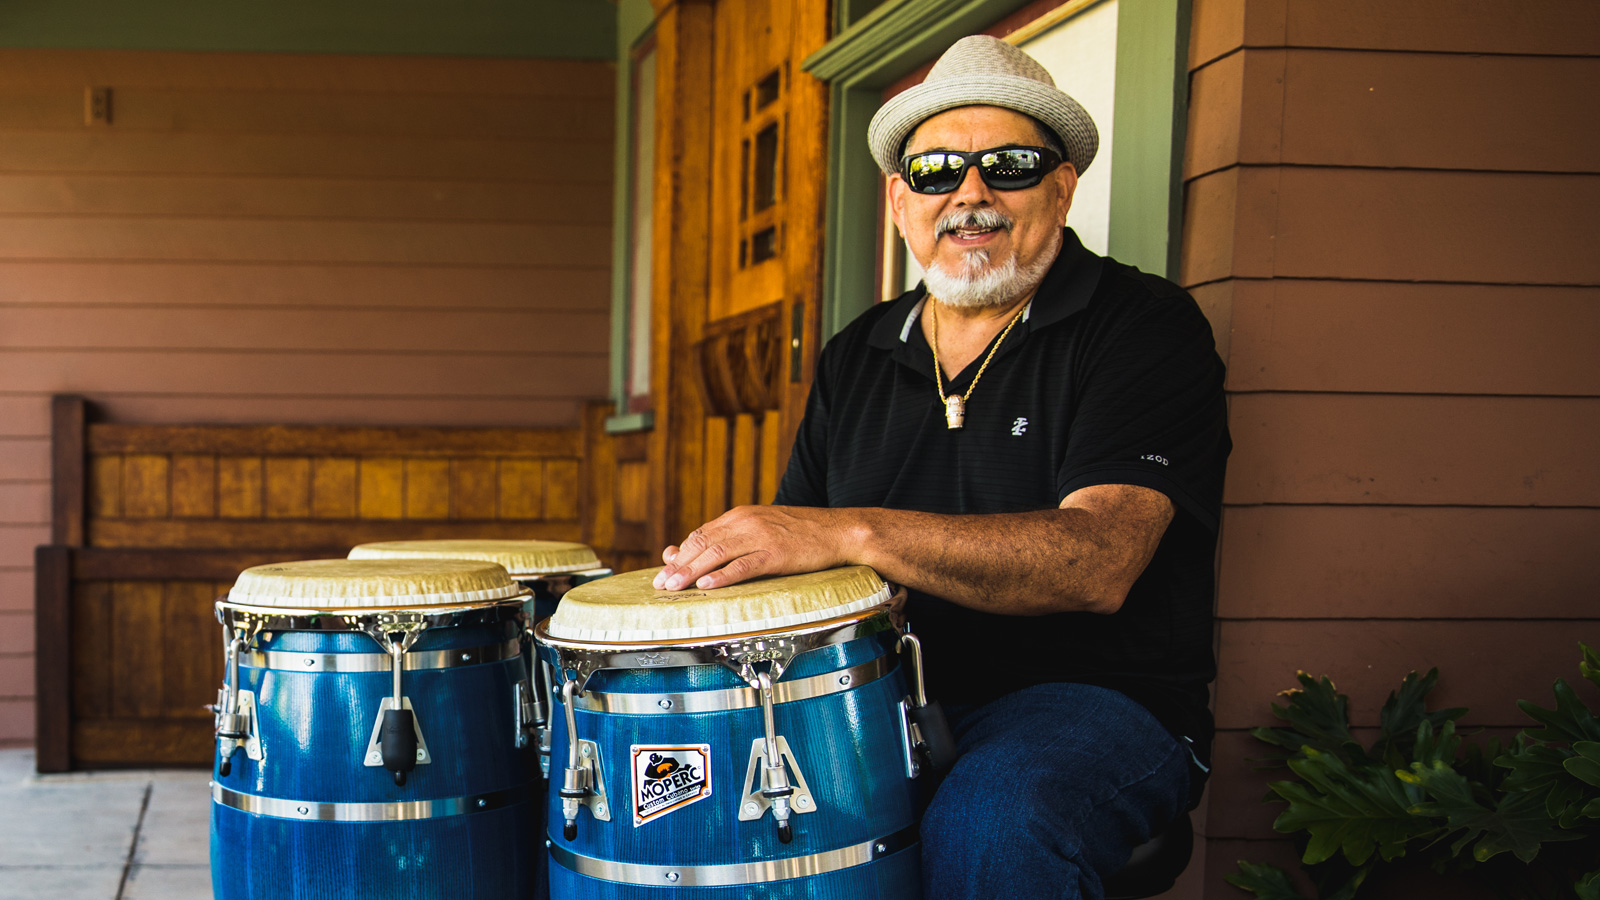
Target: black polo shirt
{"type": "Point", "coordinates": [1111, 377]}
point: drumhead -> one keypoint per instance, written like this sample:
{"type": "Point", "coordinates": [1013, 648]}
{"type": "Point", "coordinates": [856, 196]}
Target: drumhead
{"type": "Point", "coordinates": [336, 584]}
{"type": "Point", "coordinates": [625, 608]}
{"type": "Point", "coordinates": [522, 558]}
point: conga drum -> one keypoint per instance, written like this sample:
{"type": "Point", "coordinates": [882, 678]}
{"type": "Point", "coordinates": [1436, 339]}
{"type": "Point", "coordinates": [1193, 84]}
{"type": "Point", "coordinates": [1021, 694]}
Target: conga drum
{"type": "Point", "coordinates": [548, 569]}
{"type": "Point", "coordinates": [748, 741]}
{"type": "Point", "coordinates": [373, 734]}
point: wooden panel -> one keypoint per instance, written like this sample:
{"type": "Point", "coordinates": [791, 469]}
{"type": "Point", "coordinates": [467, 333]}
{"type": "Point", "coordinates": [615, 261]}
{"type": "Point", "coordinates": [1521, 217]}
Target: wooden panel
{"type": "Point", "coordinates": [144, 742]}
{"type": "Point", "coordinates": [145, 487]}
{"type": "Point", "coordinates": [333, 488]}
{"type": "Point", "coordinates": [68, 415]}
{"type": "Point", "coordinates": [773, 459]}
{"type": "Point", "coordinates": [105, 486]}
{"type": "Point", "coordinates": [1228, 222]}
{"type": "Point", "coordinates": [1221, 858]}
{"type": "Point", "coordinates": [1374, 449]}
{"type": "Point", "coordinates": [25, 502]}
{"type": "Point", "coordinates": [17, 632]}
{"type": "Point", "coordinates": [83, 152]}
{"type": "Point", "coordinates": [382, 489]}
{"type": "Point", "coordinates": [302, 535]}
{"type": "Point", "coordinates": [746, 461]}
{"type": "Point", "coordinates": [190, 677]}
{"type": "Point", "coordinates": [222, 409]}
{"type": "Point", "coordinates": [1292, 335]}
{"type": "Point", "coordinates": [24, 417]}
{"type": "Point", "coordinates": [290, 240]}
{"type": "Point", "coordinates": [317, 198]}
{"type": "Point", "coordinates": [313, 73]}
{"type": "Point", "coordinates": [1216, 301]}
{"type": "Point", "coordinates": [24, 458]}
{"type": "Point", "coordinates": [51, 639]}
{"type": "Point", "coordinates": [1351, 108]}
{"type": "Point", "coordinates": [427, 493]}
{"type": "Point", "coordinates": [521, 489]}
{"type": "Point", "coordinates": [1235, 112]}
{"type": "Point", "coordinates": [1367, 659]}
{"type": "Point", "coordinates": [472, 489]}
{"type": "Point", "coordinates": [192, 328]}
{"type": "Point", "coordinates": [718, 441]}
{"type": "Point", "coordinates": [1384, 225]}
{"type": "Point", "coordinates": [194, 486]}
{"type": "Point", "coordinates": [17, 543]}
{"type": "Point", "coordinates": [137, 652]}
{"type": "Point", "coordinates": [288, 487]}
{"type": "Point", "coordinates": [313, 285]}
{"type": "Point", "coordinates": [1290, 562]}
{"type": "Point", "coordinates": [141, 109]}
{"type": "Point", "coordinates": [633, 491]}
{"type": "Point", "coordinates": [97, 564]}
{"type": "Point", "coordinates": [561, 489]}
{"type": "Point", "coordinates": [16, 589]}
{"type": "Point", "coordinates": [239, 487]}
{"type": "Point", "coordinates": [318, 440]}
{"type": "Point", "coordinates": [1455, 26]}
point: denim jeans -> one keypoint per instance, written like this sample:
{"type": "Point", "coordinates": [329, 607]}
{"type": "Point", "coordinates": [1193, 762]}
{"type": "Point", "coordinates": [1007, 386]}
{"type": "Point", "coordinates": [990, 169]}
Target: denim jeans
{"type": "Point", "coordinates": [1053, 788]}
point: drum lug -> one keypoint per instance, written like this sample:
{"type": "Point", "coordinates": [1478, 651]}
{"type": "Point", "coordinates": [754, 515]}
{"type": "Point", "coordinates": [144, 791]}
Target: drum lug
{"type": "Point", "coordinates": [583, 783]}
{"type": "Point", "coordinates": [235, 710]}
{"type": "Point", "coordinates": [761, 779]}
{"type": "Point", "coordinates": [526, 719]}
{"type": "Point", "coordinates": [374, 755]}
{"type": "Point", "coordinates": [925, 732]}
{"type": "Point", "coordinates": [910, 740]}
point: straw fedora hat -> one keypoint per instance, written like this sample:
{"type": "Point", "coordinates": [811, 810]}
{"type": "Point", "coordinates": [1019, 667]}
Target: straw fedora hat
{"type": "Point", "coordinates": [983, 71]}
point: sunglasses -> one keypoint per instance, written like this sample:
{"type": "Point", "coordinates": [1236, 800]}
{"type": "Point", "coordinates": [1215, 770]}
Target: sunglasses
{"type": "Point", "coordinates": [1002, 168]}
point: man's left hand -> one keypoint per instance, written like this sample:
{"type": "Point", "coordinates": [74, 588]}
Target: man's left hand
{"type": "Point", "coordinates": [750, 541]}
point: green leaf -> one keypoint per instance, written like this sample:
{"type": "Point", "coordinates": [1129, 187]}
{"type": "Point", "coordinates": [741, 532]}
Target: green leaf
{"type": "Point", "coordinates": [1266, 882]}
{"type": "Point", "coordinates": [1585, 765]}
{"type": "Point", "coordinates": [1540, 769]}
{"type": "Point", "coordinates": [1518, 822]}
{"type": "Point", "coordinates": [1588, 886]}
{"type": "Point", "coordinates": [1353, 811]}
{"type": "Point", "coordinates": [1318, 716]}
{"type": "Point", "coordinates": [1570, 721]}
{"type": "Point", "coordinates": [1589, 667]}
{"type": "Point", "coordinates": [1404, 711]}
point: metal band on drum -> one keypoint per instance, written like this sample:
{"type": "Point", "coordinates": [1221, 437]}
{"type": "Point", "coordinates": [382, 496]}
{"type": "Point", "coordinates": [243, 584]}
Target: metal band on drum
{"type": "Point", "coordinates": [735, 698]}
{"type": "Point", "coordinates": [781, 869]}
{"type": "Point", "coordinates": [407, 811]}
{"type": "Point", "coordinates": [293, 661]}
{"type": "Point", "coordinates": [367, 619]}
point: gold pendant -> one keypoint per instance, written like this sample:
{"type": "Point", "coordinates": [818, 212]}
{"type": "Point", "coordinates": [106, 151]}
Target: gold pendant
{"type": "Point", "coordinates": [955, 411]}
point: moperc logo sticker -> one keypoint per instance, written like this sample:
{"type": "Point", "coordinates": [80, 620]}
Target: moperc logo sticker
{"type": "Point", "coordinates": [668, 777]}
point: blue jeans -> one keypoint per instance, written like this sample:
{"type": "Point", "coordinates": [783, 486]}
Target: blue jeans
{"type": "Point", "coordinates": [1054, 787]}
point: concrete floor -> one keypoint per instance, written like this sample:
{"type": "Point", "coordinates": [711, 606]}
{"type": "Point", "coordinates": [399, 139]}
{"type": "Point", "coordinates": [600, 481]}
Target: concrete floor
{"type": "Point", "coordinates": [103, 835]}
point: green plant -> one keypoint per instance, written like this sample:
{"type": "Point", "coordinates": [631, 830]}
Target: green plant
{"type": "Point", "coordinates": [1524, 820]}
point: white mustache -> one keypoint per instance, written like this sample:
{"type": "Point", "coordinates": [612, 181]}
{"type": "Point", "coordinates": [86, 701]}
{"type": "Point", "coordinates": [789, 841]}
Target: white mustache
{"type": "Point", "coordinates": [972, 218]}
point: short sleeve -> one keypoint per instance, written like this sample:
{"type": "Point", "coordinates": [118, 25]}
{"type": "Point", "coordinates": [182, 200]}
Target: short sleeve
{"type": "Point", "coordinates": [1149, 409]}
{"type": "Point", "coordinates": [805, 481]}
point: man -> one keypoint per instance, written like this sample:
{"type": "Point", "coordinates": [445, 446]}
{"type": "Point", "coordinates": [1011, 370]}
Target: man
{"type": "Point", "coordinates": [1034, 447]}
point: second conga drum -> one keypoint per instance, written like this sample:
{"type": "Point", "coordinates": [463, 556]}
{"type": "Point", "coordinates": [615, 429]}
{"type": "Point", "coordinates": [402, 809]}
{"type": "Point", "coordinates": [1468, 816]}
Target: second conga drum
{"type": "Point", "coordinates": [750, 741]}
{"type": "Point", "coordinates": [371, 738]}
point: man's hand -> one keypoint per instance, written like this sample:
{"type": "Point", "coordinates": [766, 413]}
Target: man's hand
{"type": "Point", "coordinates": [750, 541]}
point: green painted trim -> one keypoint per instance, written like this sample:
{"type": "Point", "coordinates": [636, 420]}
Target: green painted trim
{"type": "Point", "coordinates": [631, 422]}
{"type": "Point", "coordinates": [635, 23]}
{"type": "Point", "coordinates": [549, 29]}
{"type": "Point", "coordinates": [898, 36]}
{"type": "Point", "coordinates": [1147, 156]}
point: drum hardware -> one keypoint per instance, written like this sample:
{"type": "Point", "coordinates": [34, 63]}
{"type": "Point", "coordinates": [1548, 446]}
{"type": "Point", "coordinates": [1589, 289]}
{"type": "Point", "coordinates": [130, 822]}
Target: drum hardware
{"type": "Point", "coordinates": [235, 709]}
{"type": "Point", "coordinates": [398, 811]}
{"type": "Point", "coordinates": [769, 755]}
{"type": "Point", "coordinates": [525, 714]}
{"type": "Point", "coordinates": [924, 732]}
{"type": "Point", "coordinates": [737, 697]}
{"type": "Point", "coordinates": [543, 732]}
{"type": "Point", "coordinates": [397, 731]}
{"type": "Point", "coordinates": [316, 663]}
{"type": "Point", "coordinates": [583, 783]}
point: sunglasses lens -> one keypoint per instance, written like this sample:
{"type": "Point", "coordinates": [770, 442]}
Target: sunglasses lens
{"type": "Point", "coordinates": [1012, 168]}
{"type": "Point", "coordinates": [934, 173]}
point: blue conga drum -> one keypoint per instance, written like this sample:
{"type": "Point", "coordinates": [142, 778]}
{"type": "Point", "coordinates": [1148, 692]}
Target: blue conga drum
{"type": "Point", "coordinates": [548, 569]}
{"type": "Point", "coordinates": [748, 741]}
{"type": "Point", "coordinates": [374, 739]}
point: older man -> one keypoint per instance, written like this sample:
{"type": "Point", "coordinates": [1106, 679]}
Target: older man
{"type": "Point", "coordinates": [1034, 446]}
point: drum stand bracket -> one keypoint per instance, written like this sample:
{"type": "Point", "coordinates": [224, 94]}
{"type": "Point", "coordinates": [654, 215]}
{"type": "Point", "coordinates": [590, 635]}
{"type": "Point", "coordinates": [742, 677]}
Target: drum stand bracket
{"type": "Point", "coordinates": [374, 754]}
{"type": "Point", "coordinates": [753, 805]}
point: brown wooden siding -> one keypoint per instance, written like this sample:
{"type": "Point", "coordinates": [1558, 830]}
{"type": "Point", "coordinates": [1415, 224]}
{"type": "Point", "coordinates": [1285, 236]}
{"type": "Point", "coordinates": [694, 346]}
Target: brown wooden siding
{"type": "Point", "coordinates": [1389, 215]}
{"type": "Point", "coordinates": [264, 238]}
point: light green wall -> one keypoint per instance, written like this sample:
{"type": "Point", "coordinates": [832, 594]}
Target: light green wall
{"type": "Point", "coordinates": [552, 29]}
{"type": "Point", "coordinates": [635, 18]}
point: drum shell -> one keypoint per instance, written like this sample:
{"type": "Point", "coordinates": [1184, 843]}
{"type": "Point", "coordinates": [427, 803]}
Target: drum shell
{"type": "Point", "coordinates": [849, 748]}
{"type": "Point", "coordinates": [314, 728]}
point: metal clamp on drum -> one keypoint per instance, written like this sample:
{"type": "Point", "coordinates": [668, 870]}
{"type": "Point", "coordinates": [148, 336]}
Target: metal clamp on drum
{"type": "Point", "coordinates": [397, 742]}
{"type": "Point", "coordinates": [583, 783]}
{"type": "Point", "coordinates": [924, 729]}
{"type": "Point", "coordinates": [235, 710]}
{"type": "Point", "coordinates": [770, 760]}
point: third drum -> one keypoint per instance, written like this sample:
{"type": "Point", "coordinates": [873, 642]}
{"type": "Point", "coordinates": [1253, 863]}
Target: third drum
{"type": "Point", "coordinates": [758, 740]}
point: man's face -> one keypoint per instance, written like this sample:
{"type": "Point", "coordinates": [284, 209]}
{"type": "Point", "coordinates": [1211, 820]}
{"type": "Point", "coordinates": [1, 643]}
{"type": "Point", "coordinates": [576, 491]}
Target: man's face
{"type": "Point", "coordinates": [1035, 214]}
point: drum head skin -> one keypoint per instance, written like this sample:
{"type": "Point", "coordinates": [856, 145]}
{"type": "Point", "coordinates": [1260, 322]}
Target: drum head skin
{"type": "Point", "coordinates": [522, 558]}
{"type": "Point", "coordinates": [360, 583]}
{"type": "Point", "coordinates": [626, 608]}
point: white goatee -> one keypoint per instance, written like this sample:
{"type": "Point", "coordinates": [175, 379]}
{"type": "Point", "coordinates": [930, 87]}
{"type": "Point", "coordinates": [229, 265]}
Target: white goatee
{"type": "Point", "coordinates": [980, 284]}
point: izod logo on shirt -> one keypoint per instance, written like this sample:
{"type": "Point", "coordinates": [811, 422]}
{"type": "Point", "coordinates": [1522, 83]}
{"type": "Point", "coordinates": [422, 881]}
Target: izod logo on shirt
{"type": "Point", "coordinates": [668, 778]}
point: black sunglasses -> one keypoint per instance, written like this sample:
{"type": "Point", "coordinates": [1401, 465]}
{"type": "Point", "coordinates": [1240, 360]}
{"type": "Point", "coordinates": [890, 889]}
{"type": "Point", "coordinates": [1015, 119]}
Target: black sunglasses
{"type": "Point", "coordinates": [1009, 168]}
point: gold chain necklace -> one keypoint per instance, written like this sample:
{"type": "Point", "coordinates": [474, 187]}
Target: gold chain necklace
{"type": "Point", "coordinates": [955, 405]}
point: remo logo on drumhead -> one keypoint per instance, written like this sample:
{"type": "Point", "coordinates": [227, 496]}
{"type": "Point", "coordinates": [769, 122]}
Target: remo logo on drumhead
{"type": "Point", "coordinates": [668, 777]}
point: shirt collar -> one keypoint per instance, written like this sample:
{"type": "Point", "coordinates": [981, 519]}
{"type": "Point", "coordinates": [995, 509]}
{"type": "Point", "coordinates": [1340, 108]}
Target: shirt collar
{"type": "Point", "coordinates": [1066, 289]}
